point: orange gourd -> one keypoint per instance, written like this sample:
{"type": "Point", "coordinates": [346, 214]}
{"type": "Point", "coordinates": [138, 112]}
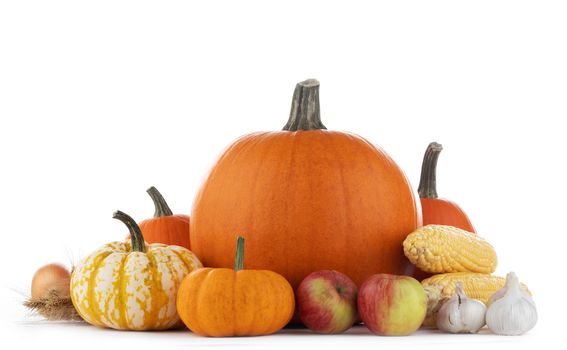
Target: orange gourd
{"type": "Point", "coordinates": [435, 210]}
{"type": "Point", "coordinates": [342, 202]}
{"type": "Point", "coordinates": [235, 302]}
{"type": "Point", "coordinates": [438, 211]}
{"type": "Point", "coordinates": [165, 227]}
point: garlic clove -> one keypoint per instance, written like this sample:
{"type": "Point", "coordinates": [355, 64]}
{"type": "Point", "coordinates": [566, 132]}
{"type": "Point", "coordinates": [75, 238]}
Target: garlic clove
{"type": "Point", "coordinates": [461, 314]}
{"type": "Point", "coordinates": [511, 311]}
{"type": "Point", "coordinates": [474, 312]}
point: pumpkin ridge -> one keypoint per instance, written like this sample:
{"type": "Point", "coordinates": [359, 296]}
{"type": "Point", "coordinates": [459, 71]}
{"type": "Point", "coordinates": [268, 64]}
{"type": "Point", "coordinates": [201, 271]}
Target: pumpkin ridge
{"type": "Point", "coordinates": [292, 169]}
{"type": "Point", "coordinates": [122, 297]}
{"type": "Point", "coordinates": [344, 197]}
{"type": "Point", "coordinates": [253, 321]}
{"type": "Point", "coordinates": [210, 283]}
{"type": "Point", "coordinates": [172, 277]}
{"type": "Point", "coordinates": [150, 316]}
{"type": "Point", "coordinates": [93, 307]}
{"type": "Point", "coordinates": [162, 260]}
{"type": "Point", "coordinates": [80, 282]}
{"type": "Point", "coordinates": [266, 276]}
{"type": "Point", "coordinates": [286, 287]}
{"type": "Point", "coordinates": [201, 321]}
{"type": "Point", "coordinates": [240, 146]}
{"type": "Point", "coordinates": [235, 292]}
{"type": "Point", "coordinates": [416, 219]}
{"type": "Point", "coordinates": [110, 266]}
{"type": "Point", "coordinates": [308, 168]}
{"type": "Point", "coordinates": [265, 142]}
{"type": "Point", "coordinates": [279, 285]}
{"type": "Point", "coordinates": [181, 257]}
{"type": "Point", "coordinates": [268, 283]}
{"type": "Point", "coordinates": [197, 326]}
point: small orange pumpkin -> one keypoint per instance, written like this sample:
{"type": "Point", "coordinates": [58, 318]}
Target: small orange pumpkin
{"type": "Point", "coordinates": [165, 227]}
{"type": "Point", "coordinates": [225, 302]}
{"type": "Point", "coordinates": [438, 211]}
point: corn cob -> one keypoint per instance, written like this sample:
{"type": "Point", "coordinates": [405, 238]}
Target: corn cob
{"type": "Point", "coordinates": [439, 288]}
{"type": "Point", "coordinates": [441, 249]}
{"type": "Point", "coordinates": [478, 286]}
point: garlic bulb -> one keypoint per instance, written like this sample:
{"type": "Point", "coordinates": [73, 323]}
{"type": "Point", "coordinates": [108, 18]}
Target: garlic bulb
{"type": "Point", "coordinates": [460, 314]}
{"type": "Point", "coordinates": [511, 310]}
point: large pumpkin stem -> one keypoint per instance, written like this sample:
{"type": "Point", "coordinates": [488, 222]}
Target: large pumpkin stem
{"type": "Point", "coordinates": [305, 112]}
{"type": "Point", "coordinates": [138, 244]}
{"type": "Point", "coordinates": [162, 209]}
{"type": "Point", "coordinates": [428, 181]}
{"type": "Point", "coordinates": [239, 260]}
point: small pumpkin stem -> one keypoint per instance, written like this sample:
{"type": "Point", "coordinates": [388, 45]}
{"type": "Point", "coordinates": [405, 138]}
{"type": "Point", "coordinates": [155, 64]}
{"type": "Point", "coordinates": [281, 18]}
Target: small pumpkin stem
{"type": "Point", "coordinates": [239, 260]}
{"type": "Point", "coordinates": [428, 181]}
{"type": "Point", "coordinates": [138, 244]}
{"type": "Point", "coordinates": [305, 111]}
{"type": "Point", "coordinates": [162, 209]}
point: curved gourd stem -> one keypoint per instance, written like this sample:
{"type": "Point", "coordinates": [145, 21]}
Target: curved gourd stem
{"type": "Point", "coordinates": [428, 181]}
{"type": "Point", "coordinates": [305, 112]}
{"type": "Point", "coordinates": [162, 209]}
{"type": "Point", "coordinates": [239, 260]}
{"type": "Point", "coordinates": [138, 244]}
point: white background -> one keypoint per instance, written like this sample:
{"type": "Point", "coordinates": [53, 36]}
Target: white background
{"type": "Point", "coordinates": [99, 100]}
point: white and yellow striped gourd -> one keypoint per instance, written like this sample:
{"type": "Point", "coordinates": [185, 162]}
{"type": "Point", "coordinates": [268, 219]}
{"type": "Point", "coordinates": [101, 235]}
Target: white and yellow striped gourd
{"type": "Point", "coordinates": [131, 285]}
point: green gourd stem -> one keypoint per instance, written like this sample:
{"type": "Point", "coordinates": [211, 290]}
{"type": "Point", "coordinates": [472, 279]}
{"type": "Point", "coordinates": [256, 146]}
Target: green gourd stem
{"type": "Point", "coordinates": [162, 209]}
{"type": "Point", "coordinates": [239, 260]}
{"type": "Point", "coordinates": [428, 181]}
{"type": "Point", "coordinates": [138, 244]}
{"type": "Point", "coordinates": [305, 112]}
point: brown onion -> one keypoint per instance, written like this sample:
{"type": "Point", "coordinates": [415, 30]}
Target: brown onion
{"type": "Point", "coordinates": [51, 277]}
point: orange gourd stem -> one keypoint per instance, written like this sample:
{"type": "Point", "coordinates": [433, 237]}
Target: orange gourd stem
{"type": "Point", "coordinates": [305, 112]}
{"type": "Point", "coordinates": [138, 244]}
{"type": "Point", "coordinates": [428, 181]}
{"type": "Point", "coordinates": [239, 259]}
{"type": "Point", "coordinates": [161, 207]}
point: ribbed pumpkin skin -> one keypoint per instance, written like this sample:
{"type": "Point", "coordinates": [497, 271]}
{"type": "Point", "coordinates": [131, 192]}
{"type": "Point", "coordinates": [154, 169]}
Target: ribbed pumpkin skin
{"type": "Point", "coordinates": [223, 302]}
{"type": "Point", "coordinates": [440, 211]}
{"type": "Point", "coordinates": [306, 201]}
{"type": "Point", "coordinates": [170, 230]}
{"type": "Point", "coordinates": [116, 288]}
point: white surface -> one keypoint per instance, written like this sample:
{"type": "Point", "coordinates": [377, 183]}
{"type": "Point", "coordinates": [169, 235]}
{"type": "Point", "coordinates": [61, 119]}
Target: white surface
{"type": "Point", "coordinates": [100, 100]}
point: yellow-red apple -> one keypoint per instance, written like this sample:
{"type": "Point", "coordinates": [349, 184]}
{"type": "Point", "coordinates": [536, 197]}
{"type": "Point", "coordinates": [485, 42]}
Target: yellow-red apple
{"type": "Point", "coordinates": [392, 305]}
{"type": "Point", "coordinates": [327, 302]}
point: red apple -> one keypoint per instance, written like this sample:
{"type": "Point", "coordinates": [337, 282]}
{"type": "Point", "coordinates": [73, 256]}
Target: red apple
{"type": "Point", "coordinates": [392, 305]}
{"type": "Point", "coordinates": [327, 302]}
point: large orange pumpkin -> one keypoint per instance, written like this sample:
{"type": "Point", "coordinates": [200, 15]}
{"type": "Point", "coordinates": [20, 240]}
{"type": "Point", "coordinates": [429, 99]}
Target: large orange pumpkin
{"type": "Point", "coordinates": [306, 199]}
{"type": "Point", "coordinates": [437, 210]}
